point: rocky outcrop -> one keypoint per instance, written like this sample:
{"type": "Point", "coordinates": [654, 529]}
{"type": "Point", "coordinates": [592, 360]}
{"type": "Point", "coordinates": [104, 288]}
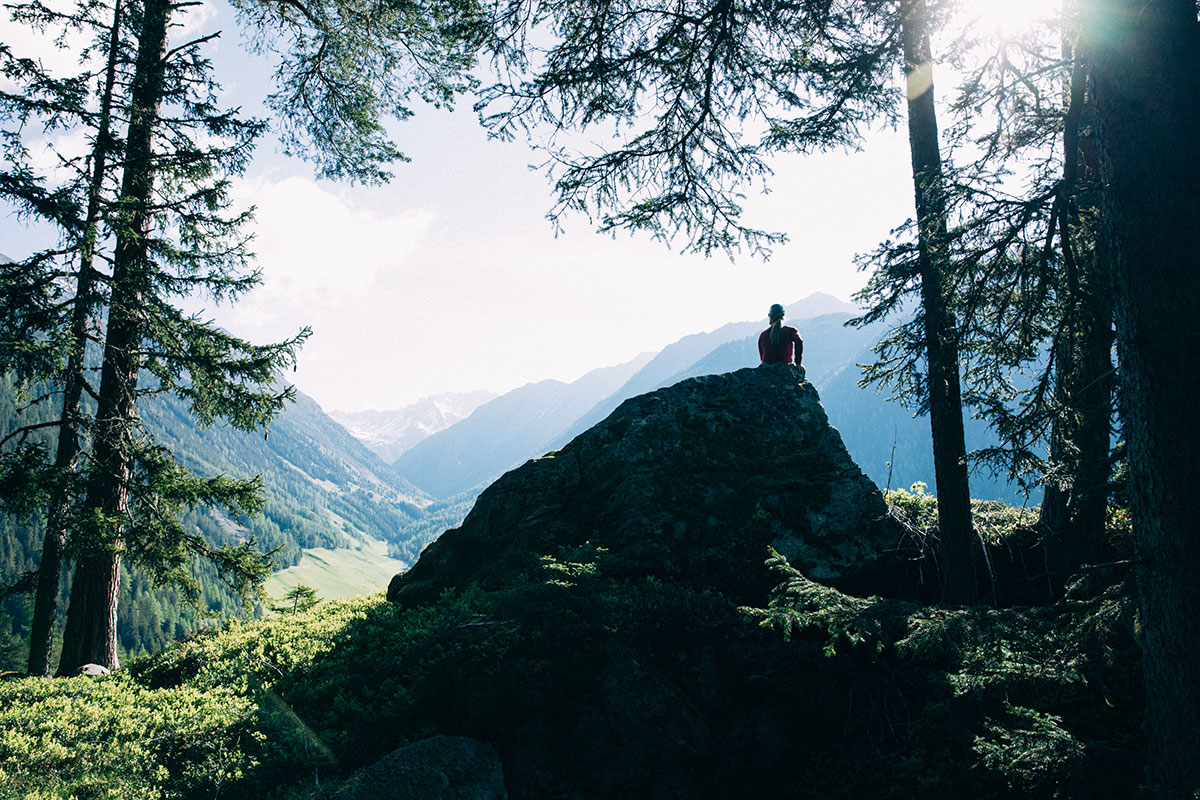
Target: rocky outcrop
{"type": "Point", "coordinates": [93, 670]}
{"type": "Point", "coordinates": [690, 483]}
{"type": "Point", "coordinates": [438, 768]}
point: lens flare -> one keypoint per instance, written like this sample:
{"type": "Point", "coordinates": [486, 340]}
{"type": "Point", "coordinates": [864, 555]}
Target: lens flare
{"type": "Point", "coordinates": [1006, 18]}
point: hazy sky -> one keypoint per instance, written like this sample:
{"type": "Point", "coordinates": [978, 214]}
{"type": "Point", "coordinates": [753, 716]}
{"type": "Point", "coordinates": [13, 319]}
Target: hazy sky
{"type": "Point", "coordinates": [450, 278]}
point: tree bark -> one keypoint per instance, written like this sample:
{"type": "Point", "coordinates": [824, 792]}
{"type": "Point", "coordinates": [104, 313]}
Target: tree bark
{"type": "Point", "coordinates": [1097, 376]}
{"type": "Point", "coordinates": [941, 334]}
{"type": "Point", "coordinates": [1089, 512]}
{"type": "Point", "coordinates": [90, 634]}
{"type": "Point", "coordinates": [1145, 66]}
{"type": "Point", "coordinates": [1053, 516]}
{"type": "Point", "coordinates": [1073, 519]}
{"type": "Point", "coordinates": [45, 604]}
{"type": "Point", "coordinates": [1091, 403]}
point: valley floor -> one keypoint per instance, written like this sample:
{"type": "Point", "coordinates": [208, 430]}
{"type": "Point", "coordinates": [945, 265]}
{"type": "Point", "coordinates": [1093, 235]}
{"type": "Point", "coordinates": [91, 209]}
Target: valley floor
{"type": "Point", "coordinates": [363, 568]}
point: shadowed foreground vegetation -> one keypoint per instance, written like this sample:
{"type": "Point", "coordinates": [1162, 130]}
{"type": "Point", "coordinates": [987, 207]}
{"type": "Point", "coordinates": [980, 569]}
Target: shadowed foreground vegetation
{"type": "Point", "coordinates": [594, 687]}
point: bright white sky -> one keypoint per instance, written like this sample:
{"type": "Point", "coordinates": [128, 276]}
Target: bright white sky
{"type": "Point", "coordinates": [450, 279]}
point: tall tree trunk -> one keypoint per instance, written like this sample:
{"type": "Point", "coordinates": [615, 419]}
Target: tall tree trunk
{"type": "Point", "coordinates": [1052, 518]}
{"type": "Point", "coordinates": [1145, 66]}
{"type": "Point", "coordinates": [1089, 511]}
{"type": "Point", "coordinates": [45, 605]}
{"type": "Point", "coordinates": [1073, 519]}
{"type": "Point", "coordinates": [941, 334]}
{"type": "Point", "coordinates": [1092, 384]}
{"type": "Point", "coordinates": [90, 634]}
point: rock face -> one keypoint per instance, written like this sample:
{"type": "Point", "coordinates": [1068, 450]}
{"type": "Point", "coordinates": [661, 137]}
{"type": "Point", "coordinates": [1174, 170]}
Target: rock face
{"type": "Point", "coordinates": [93, 670]}
{"type": "Point", "coordinates": [692, 483]}
{"type": "Point", "coordinates": [438, 768]}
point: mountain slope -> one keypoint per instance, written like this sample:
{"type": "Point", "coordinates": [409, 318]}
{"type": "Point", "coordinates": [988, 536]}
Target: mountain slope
{"type": "Point", "coordinates": [894, 447]}
{"type": "Point", "coordinates": [829, 347]}
{"type": "Point", "coordinates": [389, 434]}
{"type": "Point", "coordinates": [503, 433]}
{"type": "Point", "coordinates": [891, 445]}
{"type": "Point", "coordinates": [323, 487]}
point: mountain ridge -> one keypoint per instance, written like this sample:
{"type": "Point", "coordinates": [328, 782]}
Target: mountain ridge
{"type": "Point", "coordinates": [389, 434]}
{"type": "Point", "coordinates": [452, 461]}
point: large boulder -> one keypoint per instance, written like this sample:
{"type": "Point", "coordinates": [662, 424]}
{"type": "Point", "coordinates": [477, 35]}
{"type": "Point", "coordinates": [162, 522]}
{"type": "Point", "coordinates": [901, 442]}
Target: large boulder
{"type": "Point", "coordinates": [690, 483]}
{"type": "Point", "coordinates": [437, 768]}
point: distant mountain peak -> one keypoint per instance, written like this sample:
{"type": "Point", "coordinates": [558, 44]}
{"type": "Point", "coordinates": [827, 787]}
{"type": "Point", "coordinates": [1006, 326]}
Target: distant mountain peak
{"type": "Point", "coordinates": [818, 304]}
{"type": "Point", "coordinates": [506, 431]}
{"type": "Point", "coordinates": [390, 434]}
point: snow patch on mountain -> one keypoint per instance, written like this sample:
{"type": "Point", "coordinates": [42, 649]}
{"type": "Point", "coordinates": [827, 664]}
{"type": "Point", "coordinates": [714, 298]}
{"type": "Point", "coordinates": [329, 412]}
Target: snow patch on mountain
{"type": "Point", "coordinates": [389, 434]}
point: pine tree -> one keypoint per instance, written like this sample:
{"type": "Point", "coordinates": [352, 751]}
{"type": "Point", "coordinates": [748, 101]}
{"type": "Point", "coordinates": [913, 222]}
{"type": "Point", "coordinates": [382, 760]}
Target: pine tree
{"type": "Point", "coordinates": [1075, 507]}
{"type": "Point", "coordinates": [67, 446]}
{"type": "Point", "coordinates": [936, 313]}
{"type": "Point", "coordinates": [298, 599]}
{"type": "Point", "coordinates": [129, 478]}
{"type": "Point", "coordinates": [1027, 301]}
{"type": "Point", "coordinates": [699, 93]}
{"type": "Point", "coordinates": [344, 68]}
{"type": "Point", "coordinates": [1020, 185]}
{"type": "Point", "coordinates": [80, 223]}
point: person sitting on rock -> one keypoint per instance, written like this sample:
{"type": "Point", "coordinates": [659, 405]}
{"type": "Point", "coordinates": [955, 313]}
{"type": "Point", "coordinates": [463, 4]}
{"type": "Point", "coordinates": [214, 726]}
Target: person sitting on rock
{"type": "Point", "coordinates": [778, 343]}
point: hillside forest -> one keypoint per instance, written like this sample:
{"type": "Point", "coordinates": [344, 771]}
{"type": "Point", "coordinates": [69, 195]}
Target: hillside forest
{"type": "Point", "coordinates": [1018, 338]}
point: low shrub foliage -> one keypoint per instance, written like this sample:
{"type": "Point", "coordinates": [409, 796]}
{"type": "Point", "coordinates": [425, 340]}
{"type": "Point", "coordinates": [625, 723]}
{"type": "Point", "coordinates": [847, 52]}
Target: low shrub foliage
{"type": "Point", "coordinates": [595, 686]}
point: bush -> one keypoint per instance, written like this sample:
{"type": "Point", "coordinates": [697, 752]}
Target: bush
{"type": "Point", "coordinates": [595, 686]}
{"type": "Point", "coordinates": [112, 738]}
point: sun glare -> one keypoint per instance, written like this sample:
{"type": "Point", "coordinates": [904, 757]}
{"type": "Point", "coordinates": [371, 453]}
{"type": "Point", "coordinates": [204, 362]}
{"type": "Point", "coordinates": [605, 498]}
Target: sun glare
{"type": "Point", "coordinates": [1006, 17]}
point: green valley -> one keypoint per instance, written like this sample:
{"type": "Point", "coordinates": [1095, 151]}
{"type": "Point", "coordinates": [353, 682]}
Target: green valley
{"type": "Point", "coordinates": [362, 568]}
{"type": "Point", "coordinates": [333, 511]}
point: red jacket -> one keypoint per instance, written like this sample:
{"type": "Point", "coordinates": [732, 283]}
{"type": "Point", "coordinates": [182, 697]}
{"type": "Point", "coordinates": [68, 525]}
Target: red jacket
{"type": "Point", "coordinates": [781, 353]}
